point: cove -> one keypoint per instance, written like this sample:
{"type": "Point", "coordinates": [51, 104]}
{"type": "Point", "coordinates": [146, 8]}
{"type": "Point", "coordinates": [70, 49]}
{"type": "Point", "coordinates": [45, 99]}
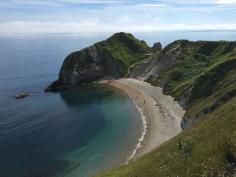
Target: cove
{"type": "Point", "coordinates": [68, 133]}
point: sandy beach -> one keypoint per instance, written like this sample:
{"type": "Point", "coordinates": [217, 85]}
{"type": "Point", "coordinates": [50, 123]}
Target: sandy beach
{"type": "Point", "coordinates": [161, 114]}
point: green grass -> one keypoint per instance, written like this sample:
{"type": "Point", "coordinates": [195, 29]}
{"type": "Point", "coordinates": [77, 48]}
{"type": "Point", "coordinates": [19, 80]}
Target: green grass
{"type": "Point", "coordinates": [208, 147]}
{"type": "Point", "coordinates": [121, 48]}
{"type": "Point", "coordinates": [126, 48]}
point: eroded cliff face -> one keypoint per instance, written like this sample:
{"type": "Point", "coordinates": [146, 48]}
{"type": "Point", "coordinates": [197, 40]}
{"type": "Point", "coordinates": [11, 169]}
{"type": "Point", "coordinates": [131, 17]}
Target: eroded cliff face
{"type": "Point", "coordinates": [110, 58]}
{"type": "Point", "coordinates": [82, 66]}
{"type": "Point", "coordinates": [199, 75]}
{"type": "Point", "coordinates": [86, 66]}
{"type": "Point", "coordinates": [157, 63]}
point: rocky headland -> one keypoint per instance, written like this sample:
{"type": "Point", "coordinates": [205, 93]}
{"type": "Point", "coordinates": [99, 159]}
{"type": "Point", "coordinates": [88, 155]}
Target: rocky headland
{"type": "Point", "coordinates": [110, 58]}
{"type": "Point", "coordinates": [200, 75]}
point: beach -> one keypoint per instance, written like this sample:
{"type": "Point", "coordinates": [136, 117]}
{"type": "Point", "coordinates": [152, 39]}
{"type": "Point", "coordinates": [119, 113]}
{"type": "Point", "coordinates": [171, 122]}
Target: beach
{"type": "Point", "coordinates": [161, 115]}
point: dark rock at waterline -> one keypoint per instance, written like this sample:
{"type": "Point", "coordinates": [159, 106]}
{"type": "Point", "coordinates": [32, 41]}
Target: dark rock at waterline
{"type": "Point", "coordinates": [22, 95]}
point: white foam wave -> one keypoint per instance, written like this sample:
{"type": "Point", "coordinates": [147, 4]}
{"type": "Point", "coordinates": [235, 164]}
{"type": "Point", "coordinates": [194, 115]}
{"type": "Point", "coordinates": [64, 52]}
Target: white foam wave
{"type": "Point", "coordinates": [141, 138]}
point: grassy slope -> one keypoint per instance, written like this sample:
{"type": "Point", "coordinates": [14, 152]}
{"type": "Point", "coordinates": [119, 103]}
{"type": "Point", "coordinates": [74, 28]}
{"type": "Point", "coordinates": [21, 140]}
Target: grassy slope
{"type": "Point", "coordinates": [125, 47]}
{"type": "Point", "coordinates": [207, 148]}
{"type": "Point", "coordinates": [207, 67]}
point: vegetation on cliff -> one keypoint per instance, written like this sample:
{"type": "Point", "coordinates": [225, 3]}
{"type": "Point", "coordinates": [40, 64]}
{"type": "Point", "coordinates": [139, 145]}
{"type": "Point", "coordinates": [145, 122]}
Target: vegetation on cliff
{"type": "Point", "coordinates": [109, 58]}
{"type": "Point", "coordinates": [202, 77]}
{"type": "Point", "coordinates": [126, 48]}
{"type": "Point", "coordinates": [205, 149]}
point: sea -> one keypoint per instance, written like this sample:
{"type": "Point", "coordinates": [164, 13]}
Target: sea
{"type": "Point", "coordinates": [72, 133]}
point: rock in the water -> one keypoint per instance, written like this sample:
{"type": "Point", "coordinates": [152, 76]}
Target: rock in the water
{"type": "Point", "coordinates": [22, 95]}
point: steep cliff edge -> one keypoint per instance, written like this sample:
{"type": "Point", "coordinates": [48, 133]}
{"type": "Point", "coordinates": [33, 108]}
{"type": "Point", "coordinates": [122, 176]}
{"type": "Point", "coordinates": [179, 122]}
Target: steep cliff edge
{"type": "Point", "coordinates": [109, 58]}
{"type": "Point", "coordinates": [201, 76]}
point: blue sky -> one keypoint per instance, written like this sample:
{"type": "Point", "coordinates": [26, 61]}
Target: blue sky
{"type": "Point", "coordinates": [97, 16]}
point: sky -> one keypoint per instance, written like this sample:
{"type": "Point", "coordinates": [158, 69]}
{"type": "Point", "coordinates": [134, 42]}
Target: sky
{"type": "Point", "coordinates": [102, 16]}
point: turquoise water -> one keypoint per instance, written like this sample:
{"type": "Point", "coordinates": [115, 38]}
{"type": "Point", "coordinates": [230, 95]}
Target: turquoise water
{"type": "Point", "coordinates": [67, 133]}
{"type": "Point", "coordinates": [73, 133]}
{"type": "Point", "coordinates": [58, 134]}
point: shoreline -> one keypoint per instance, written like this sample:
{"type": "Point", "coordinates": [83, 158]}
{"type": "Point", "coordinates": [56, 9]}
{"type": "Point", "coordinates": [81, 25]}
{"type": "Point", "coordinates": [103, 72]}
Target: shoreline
{"type": "Point", "coordinates": [160, 114]}
{"type": "Point", "coordinates": [143, 134]}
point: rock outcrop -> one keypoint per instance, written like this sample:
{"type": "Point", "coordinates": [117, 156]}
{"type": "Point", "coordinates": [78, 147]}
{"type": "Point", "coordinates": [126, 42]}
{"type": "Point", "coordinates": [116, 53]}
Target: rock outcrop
{"type": "Point", "coordinates": [156, 47]}
{"type": "Point", "coordinates": [109, 58]}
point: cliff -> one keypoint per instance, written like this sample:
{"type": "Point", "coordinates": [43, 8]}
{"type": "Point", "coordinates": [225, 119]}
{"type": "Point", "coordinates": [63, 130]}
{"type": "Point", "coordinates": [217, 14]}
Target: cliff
{"type": "Point", "coordinates": [201, 76]}
{"type": "Point", "coordinates": [109, 58]}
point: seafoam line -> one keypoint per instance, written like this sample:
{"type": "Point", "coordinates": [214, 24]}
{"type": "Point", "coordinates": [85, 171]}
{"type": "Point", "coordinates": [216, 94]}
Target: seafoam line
{"type": "Point", "coordinates": [141, 138]}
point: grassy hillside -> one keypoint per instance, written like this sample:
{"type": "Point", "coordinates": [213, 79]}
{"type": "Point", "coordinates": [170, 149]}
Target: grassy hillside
{"type": "Point", "coordinates": [203, 75]}
{"type": "Point", "coordinates": [206, 149]}
{"type": "Point", "coordinates": [122, 48]}
{"type": "Point", "coordinates": [109, 58]}
{"type": "Point", "coordinates": [125, 47]}
{"type": "Point", "coordinates": [203, 78]}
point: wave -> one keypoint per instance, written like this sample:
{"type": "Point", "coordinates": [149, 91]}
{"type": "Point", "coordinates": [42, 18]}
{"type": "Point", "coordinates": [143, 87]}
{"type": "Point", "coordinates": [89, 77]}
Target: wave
{"type": "Point", "coordinates": [141, 138]}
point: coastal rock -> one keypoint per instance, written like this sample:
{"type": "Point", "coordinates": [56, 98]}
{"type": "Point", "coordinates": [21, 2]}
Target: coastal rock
{"type": "Point", "coordinates": [157, 63]}
{"type": "Point", "coordinates": [141, 70]}
{"type": "Point", "coordinates": [109, 58]}
{"type": "Point", "coordinates": [22, 95]}
{"type": "Point", "coordinates": [157, 47]}
{"type": "Point", "coordinates": [86, 66]}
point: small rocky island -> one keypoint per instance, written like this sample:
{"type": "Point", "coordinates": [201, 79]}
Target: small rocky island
{"type": "Point", "coordinates": [22, 95]}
